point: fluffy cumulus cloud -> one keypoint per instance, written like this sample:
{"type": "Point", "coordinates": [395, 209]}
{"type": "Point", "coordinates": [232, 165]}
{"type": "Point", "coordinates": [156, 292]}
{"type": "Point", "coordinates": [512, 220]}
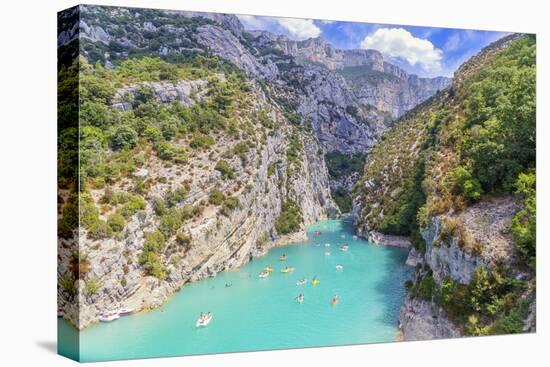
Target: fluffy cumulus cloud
{"type": "Point", "coordinates": [298, 29]}
{"type": "Point", "coordinates": [400, 43]}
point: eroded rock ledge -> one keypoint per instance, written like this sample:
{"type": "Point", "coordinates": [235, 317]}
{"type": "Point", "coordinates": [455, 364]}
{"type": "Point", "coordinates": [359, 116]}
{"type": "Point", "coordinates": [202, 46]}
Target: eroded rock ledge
{"type": "Point", "coordinates": [421, 320]}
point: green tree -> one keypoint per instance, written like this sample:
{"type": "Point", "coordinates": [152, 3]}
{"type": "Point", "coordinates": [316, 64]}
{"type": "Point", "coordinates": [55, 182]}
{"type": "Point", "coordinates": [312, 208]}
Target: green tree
{"type": "Point", "coordinates": [290, 218]}
{"type": "Point", "coordinates": [466, 185]}
{"type": "Point", "coordinates": [216, 197]}
{"type": "Point", "coordinates": [225, 169]}
{"type": "Point", "coordinates": [123, 137]}
{"type": "Point", "coordinates": [96, 114]}
{"type": "Point", "coordinates": [524, 223]}
{"type": "Point", "coordinates": [116, 222]}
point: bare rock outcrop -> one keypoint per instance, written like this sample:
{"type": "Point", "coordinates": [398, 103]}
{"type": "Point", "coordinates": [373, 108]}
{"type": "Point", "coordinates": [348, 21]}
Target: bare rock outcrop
{"type": "Point", "coordinates": [421, 320]}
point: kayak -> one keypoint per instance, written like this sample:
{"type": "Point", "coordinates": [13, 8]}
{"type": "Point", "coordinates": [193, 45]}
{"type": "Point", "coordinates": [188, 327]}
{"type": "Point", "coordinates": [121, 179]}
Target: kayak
{"type": "Point", "coordinates": [287, 270]}
{"type": "Point", "coordinates": [204, 321]}
{"type": "Point", "coordinates": [334, 302]}
{"type": "Point", "coordinates": [301, 282]}
{"type": "Point", "coordinates": [327, 244]}
{"type": "Point", "coordinates": [314, 282]}
{"type": "Point", "coordinates": [282, 258]}
{"type": "Point", "coordinates": [327, 253]}
{"type": "Point", "coordinates": [300, 299]}
{"type": "Point", "coordinates": [339, 267]}
{"type": "Point", "coordinates": [264, 274]}
{"type": "Point", "coordinates": [344, 248]}
{"type": "Point", "coordinates": [269, 269]}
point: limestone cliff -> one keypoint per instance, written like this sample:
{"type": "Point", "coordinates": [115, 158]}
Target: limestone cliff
{"type": "Point", "coordinates": [422, 181]}
{"type": "Point", "coordinates": [263, 178]}
{"type": "Point", "coordinates": [372, 80]}
{"type": "Point", "coordinates": [348, 96]}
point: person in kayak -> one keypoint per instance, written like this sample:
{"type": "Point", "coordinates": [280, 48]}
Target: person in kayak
{"type": "Point", "coordinates": [334, 299]}
{"type": "Point", "coordinates": [300, 297]}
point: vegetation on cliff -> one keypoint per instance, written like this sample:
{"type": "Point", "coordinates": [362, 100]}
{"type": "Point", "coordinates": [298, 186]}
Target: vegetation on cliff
{"type": "Point", "coordinates": [471, 142]}
{"type": "Point", "coordinates": [124, 124]}
{"type": "Point", "coordinates": [343, 170]}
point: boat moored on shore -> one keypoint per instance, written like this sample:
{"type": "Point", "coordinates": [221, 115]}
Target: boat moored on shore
{"type": "Point", "coordinates": [109, 316]}
{"type": "Point", "coordinates": [125, 311]}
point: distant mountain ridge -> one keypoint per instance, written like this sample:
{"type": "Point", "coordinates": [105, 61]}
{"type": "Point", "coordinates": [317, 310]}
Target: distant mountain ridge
{"type": "Point", "coordinates": [349, 97]}
{"type": "Point", "coordinates": [373, 80]}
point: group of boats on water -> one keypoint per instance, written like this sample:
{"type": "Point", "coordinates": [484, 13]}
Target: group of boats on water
{"type": "Point", "coordinates": [343, 248]}
{"type": "Point", "coordinates": [205, 318]}
{"type": "Point", "coordinates": [109, 316]}
{"type": "Point", "coordinates": [289, 269]}
{"type": "Point", "coordinates": [303, 281]}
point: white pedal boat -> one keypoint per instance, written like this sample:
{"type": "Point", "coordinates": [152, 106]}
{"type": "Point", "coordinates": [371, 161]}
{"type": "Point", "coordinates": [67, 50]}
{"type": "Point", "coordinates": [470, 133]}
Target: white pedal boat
{"type": "Point", "coordinates": [108, 316]}
{"type": "Point", "coordinates": [204, 322]}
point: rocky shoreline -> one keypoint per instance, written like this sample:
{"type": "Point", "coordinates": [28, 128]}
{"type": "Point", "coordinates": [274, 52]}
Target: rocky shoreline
{"type": "Point", "coordinates": [378, 238]}
{"type": "Point", "coordinates": [152, 293]}
{"type": "Point", "coordinates": [219, 242]}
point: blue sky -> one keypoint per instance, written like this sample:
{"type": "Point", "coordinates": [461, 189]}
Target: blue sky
{"type": "Point", "coordinates": [424, 51]}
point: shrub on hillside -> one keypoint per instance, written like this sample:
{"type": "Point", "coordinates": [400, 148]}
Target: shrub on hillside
{"type": "Point", "coordinates": [225, 169]}
{"type": "Point", "coordinates": [290, 218]}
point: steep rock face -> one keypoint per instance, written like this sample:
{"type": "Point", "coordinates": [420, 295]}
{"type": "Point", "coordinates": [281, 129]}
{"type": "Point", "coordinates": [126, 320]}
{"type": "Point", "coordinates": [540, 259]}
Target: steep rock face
{"type": "Point", "coordinates": [348, 113]}
{"type": "Point", "coordinates": [487, 225]}
{"type": "Point", "coordinates": [393, 94]}
{"type": "Point", "coordinates": [486, 229]}
{"type": "Point", "coordinates": [220, 240]}
{"type": "Point", "coordinates": [372, 80]}
{"type": "Point", "coordinates": [224, 43]}
{"type": "Point", "coordinates": [410, 186]}
{"type": "Point", "coordinates": [420, 320]}
{"type": "Point", "coordinates": [326, 104]}
{"type": "Point", "coordinates": [390, 166]}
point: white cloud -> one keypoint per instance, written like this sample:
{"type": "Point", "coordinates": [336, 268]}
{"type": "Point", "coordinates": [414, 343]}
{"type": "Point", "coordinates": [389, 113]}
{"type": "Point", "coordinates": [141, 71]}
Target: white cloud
{"type": "Point", "coordinates": [298, 29]}
{"type": "Point", "coordinates": [400, 43]}
{"type": "Point", "coordinates": [254, 23]}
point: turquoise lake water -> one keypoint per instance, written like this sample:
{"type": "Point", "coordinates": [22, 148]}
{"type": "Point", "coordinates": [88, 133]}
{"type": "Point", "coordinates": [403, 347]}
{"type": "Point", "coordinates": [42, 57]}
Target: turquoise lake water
{"type": "Point", "coordinates": [260, 314]}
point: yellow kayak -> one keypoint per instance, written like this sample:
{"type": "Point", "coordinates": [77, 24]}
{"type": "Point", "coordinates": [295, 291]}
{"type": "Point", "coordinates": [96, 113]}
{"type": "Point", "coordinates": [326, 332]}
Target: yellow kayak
{"type": "Point", "coordinates": [287, 270]}
{"type": "Point", "coordinates": [269, 269]}
{"type": "Point", "coordinates": [314, 282]}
